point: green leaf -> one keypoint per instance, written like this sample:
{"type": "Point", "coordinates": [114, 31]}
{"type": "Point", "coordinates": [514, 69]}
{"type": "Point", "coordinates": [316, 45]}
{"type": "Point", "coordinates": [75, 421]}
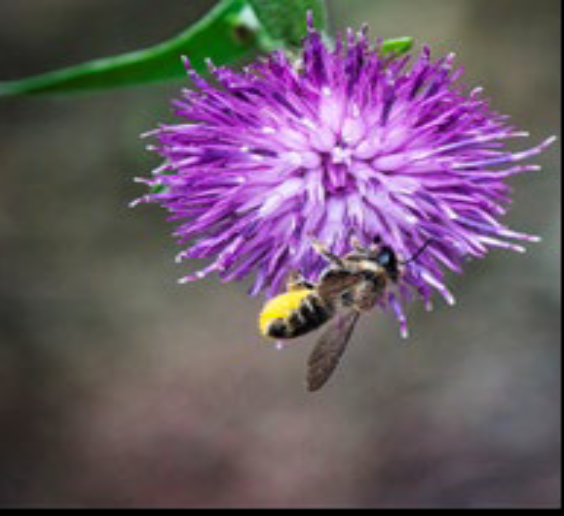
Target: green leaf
{"type": "Point", "coordinates": [284, 21]}
{"type": "Point", "coordinates": [226, 34]}
{"type": "Point", "coordinates": [397, 46]}
{"type": "Point", "coordinates": [157, 189]}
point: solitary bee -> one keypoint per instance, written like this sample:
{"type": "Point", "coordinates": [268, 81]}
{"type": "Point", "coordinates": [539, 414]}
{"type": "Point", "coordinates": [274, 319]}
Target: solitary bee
{"type": "Point", "coordinates": [354, 282]}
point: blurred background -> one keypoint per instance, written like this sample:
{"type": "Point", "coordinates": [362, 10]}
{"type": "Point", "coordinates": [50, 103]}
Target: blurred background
{"type": "Point", "coordinates": [119, 387]}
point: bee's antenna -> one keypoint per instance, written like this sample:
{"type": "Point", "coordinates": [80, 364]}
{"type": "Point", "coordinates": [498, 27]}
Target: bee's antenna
{"type": "Point", "coordinates": [419, 252]}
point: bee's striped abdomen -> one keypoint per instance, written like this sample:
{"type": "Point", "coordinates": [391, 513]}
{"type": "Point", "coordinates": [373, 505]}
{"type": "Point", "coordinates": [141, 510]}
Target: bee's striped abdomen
{"type": "Point", "coordinates": [294, 314]}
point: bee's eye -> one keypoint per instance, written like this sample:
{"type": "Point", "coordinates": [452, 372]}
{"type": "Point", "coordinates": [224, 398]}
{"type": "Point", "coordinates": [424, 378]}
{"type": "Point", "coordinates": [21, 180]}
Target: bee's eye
{"type": "Point", "coordinates": [384, 258]}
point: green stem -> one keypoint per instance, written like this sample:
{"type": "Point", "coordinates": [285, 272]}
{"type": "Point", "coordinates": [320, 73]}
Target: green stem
{"type": "Point", "coordinates": [221, 36]}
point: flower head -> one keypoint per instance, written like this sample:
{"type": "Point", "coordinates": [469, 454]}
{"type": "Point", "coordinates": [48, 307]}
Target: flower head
{"type": "Point", "coordinates": [345, 143]}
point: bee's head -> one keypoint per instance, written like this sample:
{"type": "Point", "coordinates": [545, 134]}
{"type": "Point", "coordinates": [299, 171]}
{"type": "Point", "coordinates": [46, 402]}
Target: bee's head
{"type": "Point", "coordinates": [375, 258]}
{"type": "Point", "coordinates": [386, 258]}
{"type": "Point", "coordinates": [381, 256]}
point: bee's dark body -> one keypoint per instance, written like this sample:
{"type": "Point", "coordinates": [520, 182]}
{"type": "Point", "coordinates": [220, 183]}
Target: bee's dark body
{"type": "Point", "coordinates": [354, 283]}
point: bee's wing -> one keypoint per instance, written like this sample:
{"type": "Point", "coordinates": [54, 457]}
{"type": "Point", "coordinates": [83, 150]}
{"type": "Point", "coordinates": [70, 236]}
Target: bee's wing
{"type": "Point", "coordinates": [328, 351]}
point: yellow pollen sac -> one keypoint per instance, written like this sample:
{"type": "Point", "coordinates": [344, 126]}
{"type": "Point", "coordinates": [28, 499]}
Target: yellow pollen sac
{"type": "Point", "coordinates": [281, 307]}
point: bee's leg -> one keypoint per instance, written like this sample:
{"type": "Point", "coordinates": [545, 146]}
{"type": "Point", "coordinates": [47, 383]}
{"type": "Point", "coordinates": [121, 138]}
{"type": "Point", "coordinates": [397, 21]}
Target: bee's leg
{"type": "Point", "coordinates": [355, 244]}
{"type": "Point", "coordinates": [297, 282]}
{"type": "Point", "coordinates": [401, 271]}
{"type": "Point", "coordinates": [328, 255]}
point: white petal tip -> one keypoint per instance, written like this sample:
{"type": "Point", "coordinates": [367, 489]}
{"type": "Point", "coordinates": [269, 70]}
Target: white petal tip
{"type": "Point", "coordinates": [187, 279]}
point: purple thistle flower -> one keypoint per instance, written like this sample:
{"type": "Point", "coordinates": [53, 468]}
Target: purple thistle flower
{"type": "Point", "coordinates": [345, 143]}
